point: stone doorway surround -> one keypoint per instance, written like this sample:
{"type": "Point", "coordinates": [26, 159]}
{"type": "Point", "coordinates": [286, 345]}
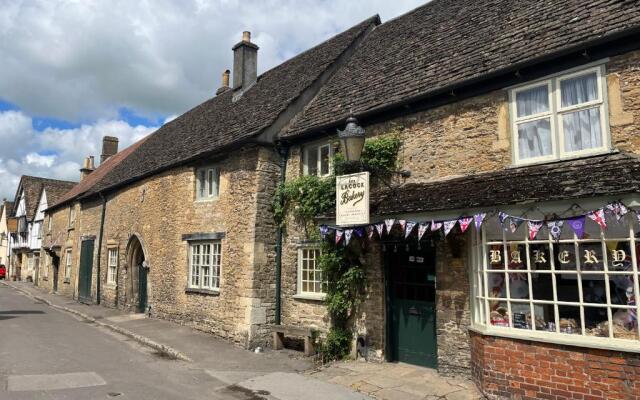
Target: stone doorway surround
{"type": "Point", "coordinates": [397, 381]}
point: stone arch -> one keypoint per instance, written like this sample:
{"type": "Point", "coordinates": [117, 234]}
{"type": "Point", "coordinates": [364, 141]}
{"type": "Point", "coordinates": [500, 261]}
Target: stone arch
{"type": "Point", "coordinates": [137, 265]}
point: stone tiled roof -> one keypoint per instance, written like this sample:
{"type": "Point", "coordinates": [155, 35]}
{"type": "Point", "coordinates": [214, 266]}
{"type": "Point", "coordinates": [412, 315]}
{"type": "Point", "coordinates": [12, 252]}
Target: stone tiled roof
{"type": "Point", "coordinates": [33, 186]}
{"type": "Point", "coordinates": [9, 207]}
{"type": "Point", "coordinates": [91, 180]}
{"type": "Point", "coordinates": [607, 175]}
{"type": "Point", "coordinates": [220, 121]}
{"type": "Point", "coordinates": [449, 42]}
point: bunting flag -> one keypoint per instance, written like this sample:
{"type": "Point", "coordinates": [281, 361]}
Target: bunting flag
{"type": "Point", "coordinates": [638, 216]}
{"type": "Point", "coordinates": [502, 216]}
{"type": "Point", "coordinates": [389, 224]}
{"type": "Point", "coordinates": [448, 225]}
{"type": "Point", "coordinates": [514, 224]}
{"type": "Point", "coordinates": [409, 228]}
{"type": "Point", "coordinates": [370, 231]}
{"type": "Point", "coordinates": [478, 219]}
{"type": "Point", "coordinates": [598, 217]}
{"type": "Point", "coordinates": [555, 228]}
{"type": "Point", "coordinates": [435, 226]}
{"type": "Point", "coordinates": [402, 223]}
{"type": "Point", "coordinates": [617, 209]}
{"type": "Point", "coordinates": [422, 228]}
{"type": "Point", "coordinates": [339, 233]}
{"type": "Point", "coordinates": [347, 236]}
{"type": "Point", "coordinates": [577, 224]}
{"type": "Point", "coordinates": [464, 223]}
{"type": "Point", "coordinates": [534, 228]}
{"type": "Point", "coordinates": [324, 231]}
{"type": "Point", "coordinates": [359, 231]}
{"type": "Point", "coordinates": [380, 229]}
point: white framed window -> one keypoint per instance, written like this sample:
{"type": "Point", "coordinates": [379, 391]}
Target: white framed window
{"type": "Point", "coordinates": [579, 291]}
{"type": "Point", "coordinates": [317, 159]}
{"type": "Point", "coordinates": [49, 224]}
{"type": "Point", "coordinates": [38, 226]}
{"type": "Point", "coordinates": [72, 216]}
{"type": "Point", "coordinates": [560, 117]}
{"type": "Point", "coordinates": [67, 265]}
{"type": "Point", "coordinates": [112, 265]}
{"type": "Point", "coordinates": [30, 262]}
{"type": "Point", "coordinates": [311, 281]}
{"type": "Point", "coordinates": [204, 265]}
{"type": "Point", "coordinates": [207, 183]}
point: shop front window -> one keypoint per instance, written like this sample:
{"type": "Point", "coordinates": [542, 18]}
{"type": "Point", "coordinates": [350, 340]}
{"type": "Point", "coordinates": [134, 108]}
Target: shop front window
{"type": "Point", "coordinates": [580, 286]}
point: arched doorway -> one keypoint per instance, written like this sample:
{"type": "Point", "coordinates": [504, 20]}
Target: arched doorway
{"type": "Point", "coordinates": [137, 276]}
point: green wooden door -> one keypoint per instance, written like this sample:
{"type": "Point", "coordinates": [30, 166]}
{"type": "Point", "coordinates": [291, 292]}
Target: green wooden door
{"type": "Point", "coordinates": [86, 271]}
{"type": "Point", "coordinates": [412, 292]}
{"type": "Point", "coordinates": [142, 289]}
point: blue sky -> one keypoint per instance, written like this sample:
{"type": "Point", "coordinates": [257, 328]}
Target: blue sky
{"type": "Point", "coordinates": [72, 72]}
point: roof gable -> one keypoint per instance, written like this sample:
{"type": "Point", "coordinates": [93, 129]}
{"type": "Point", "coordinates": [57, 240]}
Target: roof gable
{"type": "Point", "coordinates": [31, 187]}
{"type": "Point", "coordinates": [448, 42]}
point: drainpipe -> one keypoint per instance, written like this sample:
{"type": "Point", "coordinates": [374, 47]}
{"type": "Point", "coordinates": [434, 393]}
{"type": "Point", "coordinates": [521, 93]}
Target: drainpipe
{"type": "Point", "coordinates": [104, 209]}
{"type": "Point", "coordinates": [283, 150]}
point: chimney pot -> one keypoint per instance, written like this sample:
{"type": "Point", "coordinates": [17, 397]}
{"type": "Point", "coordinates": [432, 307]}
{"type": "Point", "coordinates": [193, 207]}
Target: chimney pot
{"type": "Point", "coordinates": [109, 147]}
{"type": "Point", "coordinates": [225, 83]}
{"type": "Point", "coordinates": [245, 63]}
{"type": "Point", "coordinates": [87, 167]}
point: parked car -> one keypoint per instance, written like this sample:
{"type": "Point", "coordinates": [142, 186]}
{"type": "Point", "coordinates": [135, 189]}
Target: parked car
{"type": "Point", "coordinates": [3, 272]}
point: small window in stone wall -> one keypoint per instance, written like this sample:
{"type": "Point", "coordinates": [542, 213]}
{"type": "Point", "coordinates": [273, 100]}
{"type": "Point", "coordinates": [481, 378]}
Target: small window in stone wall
{"type": "Point", "coordinates": [310, 277]}
{"type": "Point", "coordinates": [207, 183]}
{"type": "Point", "coordinates": [112, 267]}
{"type": "Point", "coordinates": [317, 159]}
{"type": "Point", "coordinates": [67, 265]}
{"type": "Point", "coordinates": [204, 265]}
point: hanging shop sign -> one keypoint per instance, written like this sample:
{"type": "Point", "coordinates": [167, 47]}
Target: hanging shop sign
{"type": "Point", "coordinates": [352, 199]}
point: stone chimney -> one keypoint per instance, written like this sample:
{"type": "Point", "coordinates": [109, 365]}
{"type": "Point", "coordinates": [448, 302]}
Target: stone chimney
{"type": "Point", "coordinates": [225, 83]}
{"type": "Point", "coordinates": [245, 63]}
{"type": "Point", "coordinates": [109, 147]}
{"type": "Point", "coordinates": [87, 167]}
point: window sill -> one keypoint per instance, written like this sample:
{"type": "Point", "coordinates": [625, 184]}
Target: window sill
{"type": "Point", "coordinates": [602, 152]}
{"type": "Point", "coordinates": [207, 200]}
{"type": "Point", "coordinates": [561, 339]}
{"type": "Point", "coordinates": [207, 292]}
{"type": "Point", "coordinates": [310, 296]}
{"type": "Point", "coordinates": [111, 286]}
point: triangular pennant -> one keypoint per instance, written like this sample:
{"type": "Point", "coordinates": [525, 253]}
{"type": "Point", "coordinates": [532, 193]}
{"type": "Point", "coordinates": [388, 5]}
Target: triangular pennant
{"type": "Point", "coordinates": [422, 228]}
{"type": "Point", "coordinates": [324, 230]}
{"type": "Point", "coordinates": [638, 216]}
{"type": "Point", "coordinates": [555, 228]}
{"type": "Point", "coordinates": [359, 231]}
{"type": "Point", "coordinates": [435, 226]}
{"type": "Point", "coordinates": [514, 224]}
{"type": "Point", "coordinates": [347, 236]}
{"type": "Point", "coordinates": [464, 223]}
{"type": "Point", "coordinates": [402, 223]}
{"type": "Point", "coordinates": [534, 228]}
{"type": "Point", "coordinates": [380, 229]}
{"type": "Point", "coordinates": [617, 209]}
{"type": "Point", "coordinates": [409, 228]}
{"type": "Point", "coordinates": [370, 231]}
{"type": "Point", "coordinates": [599, 218]}
{"type": "Point", "coordinates": [502, 216]}
{"type": "Point", "coordinates": [389, 224]}
{"type": "Point", "coordinates": [478, 218]}
{"type": "Point", "coordinates": [339, 233]}
{"type": "Point", "coordinates": [577, 224]}
{"type": "Point", "coordinates": [448, 225]}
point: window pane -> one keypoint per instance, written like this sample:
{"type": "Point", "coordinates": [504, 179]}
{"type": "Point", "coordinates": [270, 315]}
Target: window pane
{"type": "Point", "coordinates": [496, 284]}
{"type": "Point", "coordinates": [570, 319]}
{"type": "Point", "coordinates": [312, 161]}
{"type": "Point", "coordinates": [596, 321]}
{"type": "Point", "coordinates": [534, 138]}
{"type": "Point", "coordinates": [210, 181]}
{"type": "Point", "coordinates": [625, 324]}
{"type": "Point", "coordinates": [499, 316]}
{"type": "Point", "coordinates": [532, 101]}
{"type": "Point", "coordinates": [201, 183]}
{"type": "Point", "coordinates": [324, 160]}
{"type": "Point", "coordinates": [593, 289]}
{"type": "Point", "coordinates": [545, 316]}
{"type": "Point", "coordinates": [521, 315]}
{"type": "Point", "coordinates": [518, 286]}
{"type": "Point", "coordinates": [580, 89]}
{"type": "Point", "coordinates": [582, 130]}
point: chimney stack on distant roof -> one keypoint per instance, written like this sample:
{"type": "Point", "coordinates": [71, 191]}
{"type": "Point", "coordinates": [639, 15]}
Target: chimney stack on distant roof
{"type": "Point", "coordinates": [87, 167]}
{"type": "Point", "coordinates": [109, 147]}
{"type": "Point", "coordinates": [245, 63]}
{"type": "Point", "coordinates": [225, 83]}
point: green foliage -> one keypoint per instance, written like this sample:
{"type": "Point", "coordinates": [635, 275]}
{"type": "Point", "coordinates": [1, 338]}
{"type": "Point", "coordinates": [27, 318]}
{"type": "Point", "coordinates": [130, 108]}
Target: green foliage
{"type": "Point", "coordinates": [381, 153]}
{"type": "Point", "coordinates": [337, 343]}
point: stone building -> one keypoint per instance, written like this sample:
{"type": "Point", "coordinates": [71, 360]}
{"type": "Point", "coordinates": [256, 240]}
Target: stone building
{"type": "Point", "coordinates": [523, 120]}
{"type": "Point", "coordinates": [26, 241]}
{"type": "Point", "coordinates": [5, 209]}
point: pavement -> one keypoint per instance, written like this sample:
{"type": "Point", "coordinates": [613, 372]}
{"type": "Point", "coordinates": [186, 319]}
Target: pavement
{"type": "Point", "coordinates": [52, 347]}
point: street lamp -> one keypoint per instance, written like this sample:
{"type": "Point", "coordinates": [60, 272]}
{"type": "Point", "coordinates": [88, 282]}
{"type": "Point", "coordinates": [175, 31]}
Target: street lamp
{"type": "Point", "coordinates": [352, 140]}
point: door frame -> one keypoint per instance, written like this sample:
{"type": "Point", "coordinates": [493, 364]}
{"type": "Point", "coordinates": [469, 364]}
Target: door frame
{"type": "Point", "coordinates": [390, 351]}
{"type": "Point", "coordinates": [55, 264]}
{"type": "Point", "coordinates": [89, 279]}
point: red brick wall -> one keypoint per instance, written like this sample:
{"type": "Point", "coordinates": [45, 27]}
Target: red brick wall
{"type": "Point", "coordinates": [519, 369]}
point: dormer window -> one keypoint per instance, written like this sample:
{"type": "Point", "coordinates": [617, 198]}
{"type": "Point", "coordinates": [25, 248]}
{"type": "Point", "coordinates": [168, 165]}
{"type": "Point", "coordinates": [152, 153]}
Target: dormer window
{"type": "Point", "coordinates": [558, 118]}
{"type": "Point", "coordinates": [317, 159]}
{"type": "Point", "coordinates": [207, 183]}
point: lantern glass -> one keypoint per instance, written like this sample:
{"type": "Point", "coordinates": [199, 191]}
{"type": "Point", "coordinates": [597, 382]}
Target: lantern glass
{"type": "Point", "coordinates": [352, 147]}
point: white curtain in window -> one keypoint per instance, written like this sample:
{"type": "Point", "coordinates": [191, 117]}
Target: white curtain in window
{"type": "Point", "coordinates": [532, 101]}
{"type": "Point", "coordinates": [581, 89]}
{"type": "Point", "coordinates": [534, 139]}
{"type": "Point", "coordinates": [582, 130]}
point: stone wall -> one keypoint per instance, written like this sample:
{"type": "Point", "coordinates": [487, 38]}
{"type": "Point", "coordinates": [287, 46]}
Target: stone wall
{"type": "Point", "coordinates": [60, 238]}
{"type": "Point", "coordinates": [517, 369]}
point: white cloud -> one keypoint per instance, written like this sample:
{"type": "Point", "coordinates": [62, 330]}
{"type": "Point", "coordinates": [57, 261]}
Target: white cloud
{"type": "Point", "coordinates": [53, 153]}
{"type": "Point", "coordinates": [83, 61]}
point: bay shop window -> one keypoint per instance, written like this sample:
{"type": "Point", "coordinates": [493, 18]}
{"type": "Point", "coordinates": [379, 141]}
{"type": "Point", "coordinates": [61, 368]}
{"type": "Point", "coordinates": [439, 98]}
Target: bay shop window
{"type": "Point", "coordinates": [578, 290]}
